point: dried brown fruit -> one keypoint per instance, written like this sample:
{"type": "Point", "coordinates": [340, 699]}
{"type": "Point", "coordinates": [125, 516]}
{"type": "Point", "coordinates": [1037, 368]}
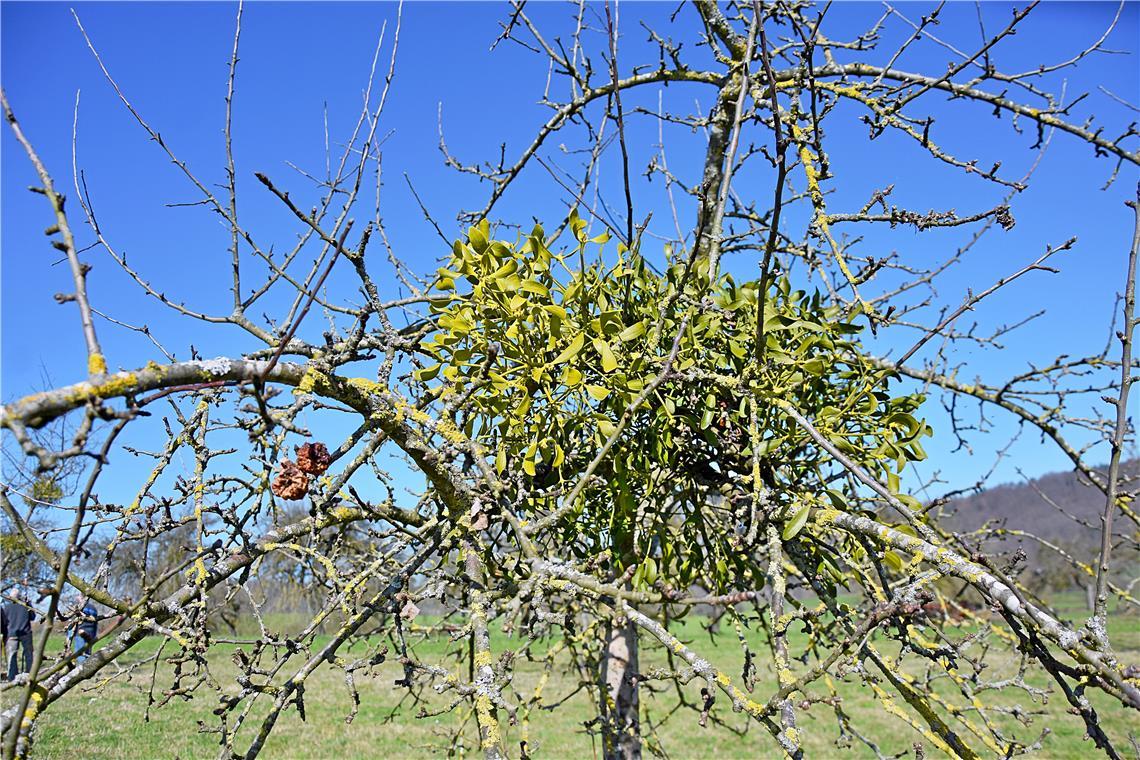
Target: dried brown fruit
{"type": "Point", "coordinates": [291, 483]}
{"type": "Point", "coordinates": [313, 458]}
{"type": "Point", "coordinates": [409, 610]}
{"type": "Point", "coordinates": [479, 519]}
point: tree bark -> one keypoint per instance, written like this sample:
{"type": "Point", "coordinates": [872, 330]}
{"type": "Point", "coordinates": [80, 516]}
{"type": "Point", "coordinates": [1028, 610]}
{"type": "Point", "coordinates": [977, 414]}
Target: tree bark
{"type": "Point", "coordinates": [621, 712]}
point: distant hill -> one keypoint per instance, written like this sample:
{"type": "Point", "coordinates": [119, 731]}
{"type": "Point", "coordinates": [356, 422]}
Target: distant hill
{"type": "Point", "coordinates": [1045, 506]}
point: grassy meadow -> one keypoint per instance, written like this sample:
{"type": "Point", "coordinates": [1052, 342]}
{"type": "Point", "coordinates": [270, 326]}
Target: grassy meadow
{"type": "Point", "coordinates": [108, 722]}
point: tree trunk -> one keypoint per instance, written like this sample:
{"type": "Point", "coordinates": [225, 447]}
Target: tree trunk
{"type": "Point", "coordinates": [621, 728]}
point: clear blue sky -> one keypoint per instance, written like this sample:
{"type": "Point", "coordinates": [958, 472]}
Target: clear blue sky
{"type": "Point", "coordinates": [172, 58]}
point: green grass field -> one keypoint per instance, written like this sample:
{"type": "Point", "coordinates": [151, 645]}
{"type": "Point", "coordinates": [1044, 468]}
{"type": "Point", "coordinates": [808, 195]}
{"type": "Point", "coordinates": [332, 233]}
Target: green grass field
{"type": "Point", "coordinates": [108, 722]}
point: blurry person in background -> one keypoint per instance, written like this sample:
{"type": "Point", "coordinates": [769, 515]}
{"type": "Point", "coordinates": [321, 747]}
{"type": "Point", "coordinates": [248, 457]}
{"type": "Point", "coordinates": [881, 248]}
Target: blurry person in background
{"type": "Point", "coordinates": [16, 618]}
{"type": "Point", "coordinates": [85, 629]}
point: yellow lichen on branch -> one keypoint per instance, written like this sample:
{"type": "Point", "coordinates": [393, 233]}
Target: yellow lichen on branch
{"type": "Point", "coordinates": [811, 173]}
{"type": "Point", "coordinates": [96, 364]}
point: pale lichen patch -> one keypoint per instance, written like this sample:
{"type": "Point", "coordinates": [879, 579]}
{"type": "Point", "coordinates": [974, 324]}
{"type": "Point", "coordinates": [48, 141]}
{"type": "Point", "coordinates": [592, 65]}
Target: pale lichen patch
{"type": "Point", "coordinates": [219, 366]}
